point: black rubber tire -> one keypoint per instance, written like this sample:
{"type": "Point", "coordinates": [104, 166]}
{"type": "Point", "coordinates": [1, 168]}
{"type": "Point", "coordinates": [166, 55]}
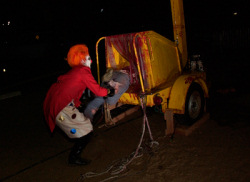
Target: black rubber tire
{"type": "Point", "coordinates": [195, 103]}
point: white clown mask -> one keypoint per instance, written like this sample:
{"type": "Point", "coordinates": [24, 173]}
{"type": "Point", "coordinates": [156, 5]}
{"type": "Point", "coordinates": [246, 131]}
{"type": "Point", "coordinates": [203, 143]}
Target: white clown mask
{"type": "Point", "coordinates": [87, 62]}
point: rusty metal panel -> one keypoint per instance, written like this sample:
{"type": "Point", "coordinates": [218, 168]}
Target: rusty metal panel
{"type": "Point", "coordinates": [158, 57]}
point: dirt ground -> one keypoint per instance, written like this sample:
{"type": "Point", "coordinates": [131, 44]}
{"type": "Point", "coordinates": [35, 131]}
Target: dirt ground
{"type": "Point", "coordinates": [216, 151]}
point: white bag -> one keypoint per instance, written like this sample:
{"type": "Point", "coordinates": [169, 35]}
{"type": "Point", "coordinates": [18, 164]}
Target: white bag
{"type": "Point", "coordinates": [73, 122]}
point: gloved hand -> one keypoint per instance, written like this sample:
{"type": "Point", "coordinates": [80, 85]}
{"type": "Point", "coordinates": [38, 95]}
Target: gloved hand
{"type": "Point", "coordinates": [105, 85]}
{"type": "Point", "coordinates": [111, 92]}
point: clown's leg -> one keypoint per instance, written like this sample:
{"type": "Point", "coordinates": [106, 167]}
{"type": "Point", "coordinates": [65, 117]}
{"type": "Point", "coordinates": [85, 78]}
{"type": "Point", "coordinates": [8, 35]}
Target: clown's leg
{"type": "Point", "coordinates": [75, 154]}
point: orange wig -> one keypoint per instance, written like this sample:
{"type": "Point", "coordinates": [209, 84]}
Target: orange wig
{"type": "Point", "coordinates": [76, 54]}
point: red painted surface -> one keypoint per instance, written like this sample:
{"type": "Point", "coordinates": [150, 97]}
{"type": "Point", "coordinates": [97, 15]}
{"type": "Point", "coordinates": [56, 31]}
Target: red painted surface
{"type": "Point", "coordinates": [189, 79]}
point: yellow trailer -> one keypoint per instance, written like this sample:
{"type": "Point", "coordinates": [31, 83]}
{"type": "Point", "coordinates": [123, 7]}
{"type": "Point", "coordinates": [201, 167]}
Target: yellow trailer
{"type": "Point", "coordinates": [156, 66]}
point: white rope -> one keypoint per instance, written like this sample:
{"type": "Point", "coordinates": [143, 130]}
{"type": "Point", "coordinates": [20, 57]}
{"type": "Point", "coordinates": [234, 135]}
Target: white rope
{"type": "Point", "coordinates": [121, 165]}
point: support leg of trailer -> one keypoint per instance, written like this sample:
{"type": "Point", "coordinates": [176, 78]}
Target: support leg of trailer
{"type": "Point", "coordinates": [169, 117]}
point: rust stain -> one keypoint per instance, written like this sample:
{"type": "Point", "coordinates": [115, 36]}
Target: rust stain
{"type": "Point", "coordinates": [181, 34]}
{"type": "Point", "coordinates": [189, 80]}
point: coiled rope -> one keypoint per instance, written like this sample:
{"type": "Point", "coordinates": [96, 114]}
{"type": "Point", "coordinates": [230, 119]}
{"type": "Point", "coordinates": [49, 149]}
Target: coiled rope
{"type": "Point", "coordinates": [119, 166]}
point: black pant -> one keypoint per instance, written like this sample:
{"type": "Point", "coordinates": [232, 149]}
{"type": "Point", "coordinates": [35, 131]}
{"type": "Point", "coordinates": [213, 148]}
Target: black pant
{"type": "Point", "coordinates": [79, 145]}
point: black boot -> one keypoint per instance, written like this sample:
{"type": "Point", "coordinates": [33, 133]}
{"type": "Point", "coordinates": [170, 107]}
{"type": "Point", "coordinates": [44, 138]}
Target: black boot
{"type": "Point", "coordinates": [75, 154]}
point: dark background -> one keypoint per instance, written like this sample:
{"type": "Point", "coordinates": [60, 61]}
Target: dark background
{"type": "Point", "coordinates": [40, 33]}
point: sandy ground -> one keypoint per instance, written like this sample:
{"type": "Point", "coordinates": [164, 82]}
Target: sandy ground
{"type": "Point", "coordinates": [217, 151]}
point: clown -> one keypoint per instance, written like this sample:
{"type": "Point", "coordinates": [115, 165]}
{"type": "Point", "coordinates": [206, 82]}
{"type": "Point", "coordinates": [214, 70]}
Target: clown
{"type": "Point", "coordinates": [62, 100]}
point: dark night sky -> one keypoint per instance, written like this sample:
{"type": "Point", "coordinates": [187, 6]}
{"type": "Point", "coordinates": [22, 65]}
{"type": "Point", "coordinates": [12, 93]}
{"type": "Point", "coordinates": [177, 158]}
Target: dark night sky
{"type": "Point", "coordinates": [84, 15]}
{"type": "Point", "coordinates": [120, 16]}
{"type": "Point", "coordinates": [63, 23]}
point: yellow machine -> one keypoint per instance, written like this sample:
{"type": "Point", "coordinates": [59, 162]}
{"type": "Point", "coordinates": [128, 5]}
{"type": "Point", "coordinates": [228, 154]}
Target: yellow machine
{"type": "Point", "coordinates": [157, 71]}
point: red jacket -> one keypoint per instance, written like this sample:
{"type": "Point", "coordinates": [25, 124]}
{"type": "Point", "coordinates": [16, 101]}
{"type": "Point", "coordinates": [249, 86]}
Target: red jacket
{"type": "Point", "coordinates": [68, 87]}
